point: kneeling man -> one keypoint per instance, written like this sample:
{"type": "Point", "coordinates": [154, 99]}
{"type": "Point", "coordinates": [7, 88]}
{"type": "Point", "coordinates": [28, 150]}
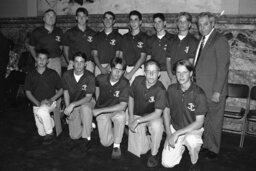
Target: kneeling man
{"type": "Point", "coordinates": [111, 104]}
{"type": "Point", "coordinates": [147, 101]}
{"type": "Point", "coordinates": [184, 117]}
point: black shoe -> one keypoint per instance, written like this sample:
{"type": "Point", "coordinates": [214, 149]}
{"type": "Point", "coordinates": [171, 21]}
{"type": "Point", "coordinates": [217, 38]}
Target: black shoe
{"type": "Point", "coordinates": [194, 167]}
{"type": "Point", "coordinates": [116, 153]}
{"type": "Point", "coordinates": [152, 161]}
{"type": "Point", "coordinates": [211, 155]}
{"type": "Point", "coordinates": [86, 144]}
{"type": "Point", "coordinates": [48, 139]}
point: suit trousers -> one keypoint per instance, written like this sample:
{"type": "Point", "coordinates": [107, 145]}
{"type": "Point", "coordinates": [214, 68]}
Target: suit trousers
{"type": "Point", "coordinates": [213, 125]}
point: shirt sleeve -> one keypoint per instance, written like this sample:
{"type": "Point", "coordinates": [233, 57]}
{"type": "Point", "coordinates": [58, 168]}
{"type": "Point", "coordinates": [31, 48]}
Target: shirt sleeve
{"type": "Point", "coordinates": [27, 85]}
{"type": "Point", "coordinates": [201, 104]}
{"type": "Point", "coordinates": [160, 101]}
{"type": "Point", "coordinates": [64, 82]}
{"type": "Point", "coordinates": [91, 85]}
{"type": "Point", "coordinates": [65, 38]}
{"type": "Point", "coordinates": [118, 42]}
{"type": "Point", "coordinates": [33, 38]}
{"type": "Point", "coordinates": [124, 94]}
{"type": "Point", "coordinates": [57, 81]}
{"type": "Point", "coordinates": [193, 43]}
{"type": "Point", "coordinates": [169, 49]}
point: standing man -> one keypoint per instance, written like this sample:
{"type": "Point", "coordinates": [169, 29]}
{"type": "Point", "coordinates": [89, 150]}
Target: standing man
{"type": "Point", "coordinates": [183, 46]}
{"type": "Point", "coordinates": [48, 37]}
{"type": "Point", "coordinates": [79, 39]}
{"type": "Point", "coordinates": [134, 47]}
{"type": "Point", "coordinates": [157, 46]}
{"type": "Point", "coordinates": [147, 101]}
{"type": "Point", "coordinates": [43, 87]}
{"type": "Point", "coordinates": [111, 104]}
{"type": "Point", "coordinates": [107, 44]}
{"type": "Point", "coordinates": [79, 86]}
{"type": "Point", "coordinates": [186, 111]}
{"type": "Point", "coordinates": [211, 74]}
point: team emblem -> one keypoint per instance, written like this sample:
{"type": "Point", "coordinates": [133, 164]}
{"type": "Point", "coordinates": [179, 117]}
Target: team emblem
{"type": "Point", "coordinates": [57, 38]}
{"type": "Point", "coordinates": [151, 99]}
{"type": "Point", "coordinates": [116, 94]}
{"type": "Point", "coordinates": [186, 49]}
{"type": "Point", "coordinates": [191, 107]}
{"type": "Point", "coordinates": [84, 87]}
{"type": "Point", "coordinates": [113, 42]}
{"type": "Point", "coordinates": [140, 44]}
{"type": "Point", "coordinates": [89, 38]}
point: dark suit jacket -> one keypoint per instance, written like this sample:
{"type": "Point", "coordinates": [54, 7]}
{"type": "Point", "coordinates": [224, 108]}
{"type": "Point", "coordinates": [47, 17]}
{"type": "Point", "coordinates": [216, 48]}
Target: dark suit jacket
{"type": "Point", "coordinates": [213, 65]}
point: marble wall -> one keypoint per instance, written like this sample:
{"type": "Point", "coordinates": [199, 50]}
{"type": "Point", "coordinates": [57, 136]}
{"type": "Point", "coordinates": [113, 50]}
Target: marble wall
{"type": "Point", "coordinates": [239, 30]}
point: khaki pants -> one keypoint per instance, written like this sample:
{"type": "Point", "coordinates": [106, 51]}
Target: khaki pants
{"type": "Point", "coordinates": [44, 122]}
{"type": "Point", "coordinates": [80, 121]}
{"type": "Point", "coordinates": [111, 134]}
{"type": "Point", "coordinates": [192, 140]}
{"type": "Point", "coordinates": [139, 142]}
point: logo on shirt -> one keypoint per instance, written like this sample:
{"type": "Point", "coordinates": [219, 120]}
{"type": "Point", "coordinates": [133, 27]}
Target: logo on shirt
{"type": "Point", "coordinates": [116, 94]}
{"type": "Point", "coordinates": [57, 38]}
{"type": "Point", "coordinates": [186, 49]}
{"type": "Point", "coordinates": [89, 38]}
{"type": "Point", "coordinates": [113, 42]}
{"type": "Point", "coordinates": [151, 99]}
{"type": "Point", "coordinates": [191, 107]}
{"type": "Point", "coordinates": [84, 87]}
{"type": "Point", "coordinates": [140, 44]}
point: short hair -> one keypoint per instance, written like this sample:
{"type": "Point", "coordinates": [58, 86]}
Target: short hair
{"type": "Point", "coordinates": [109, 13]}
{"type": "Point", "coordinates": [159, 15]}
{"type": "Point", "coordinates": [83, 10]}
{"type": "Point", "coordinates": [43, 51]}
{"type": "Point", "coordinates": [187, 15]}
{"type": "Point", "coordinates": [118, 60]}
{"type": "Point", "coordinates": [151, 62]}
{"type": "Point", "coordinates": [183, 62]}
{"type": "Point", "coordinates": [49, 10]}
{"type": "Point", "coordinates": [137, 13]}
{"type": "Point", "coordinates": [207, 14]}
{"type": "Point", "coordinates": [80, 54]}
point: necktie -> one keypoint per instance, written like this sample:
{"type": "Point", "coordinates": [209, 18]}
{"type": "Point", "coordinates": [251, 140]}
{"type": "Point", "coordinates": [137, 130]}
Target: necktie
{"type": "Point", "coordinates": [198, 56]}
{"type": "Point", "coordinates": [200, 50]}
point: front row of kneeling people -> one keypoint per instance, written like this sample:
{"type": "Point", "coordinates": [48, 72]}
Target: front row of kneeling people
{"type": "Point", "coordinates": [145, 105]}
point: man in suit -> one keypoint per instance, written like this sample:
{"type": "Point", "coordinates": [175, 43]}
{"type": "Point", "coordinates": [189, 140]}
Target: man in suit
{"type": "Point", "coordinates": [211, 73]}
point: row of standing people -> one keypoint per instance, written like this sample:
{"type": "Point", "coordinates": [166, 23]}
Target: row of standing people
{"type": "Point", "coordinates": [209, 60]}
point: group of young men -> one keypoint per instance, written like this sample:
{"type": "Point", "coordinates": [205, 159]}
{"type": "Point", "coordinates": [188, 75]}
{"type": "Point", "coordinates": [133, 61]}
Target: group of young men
{"type": "Point", "coordinates": [155, 80]}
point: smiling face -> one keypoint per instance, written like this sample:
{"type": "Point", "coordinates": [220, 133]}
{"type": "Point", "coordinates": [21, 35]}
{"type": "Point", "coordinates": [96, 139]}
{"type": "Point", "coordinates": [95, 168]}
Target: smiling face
{"type": "Point", "coordinates": [108, 21]}
{"type": "Point", "coordinates": [183, 75]}
{"type": "Point", "coordinates": [135, 22]}
{"type": "Point", "coordinates": [205, 25]}
{"type": "Point", "coordinates": [79, 65]}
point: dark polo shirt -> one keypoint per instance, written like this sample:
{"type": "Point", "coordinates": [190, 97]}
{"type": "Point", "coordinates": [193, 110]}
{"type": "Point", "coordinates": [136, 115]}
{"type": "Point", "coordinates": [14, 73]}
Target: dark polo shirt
{"type": "Point", "coordinates": [181, 49]}
{"type": "Point", "coordinates": [41, 38]}
{"type": "Point", "coordinates": [185, 106]}
{"type": "Point", "coordinates": [43, 86]}
{"type": "Point", "coordinates": [111, 95]}
{"type": "Point", "coordinates": [147, 100]}
{"type": "Point", "coordinates": [78, 90]}
{"type": "Point", "coordinates": [107, 45]}
{"type": "Point", "coordinates": [157, 48]}
{"type": "Point", "coordinates": [133, 46]}
{"type": "Point", "coordinates": [79, 41]}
